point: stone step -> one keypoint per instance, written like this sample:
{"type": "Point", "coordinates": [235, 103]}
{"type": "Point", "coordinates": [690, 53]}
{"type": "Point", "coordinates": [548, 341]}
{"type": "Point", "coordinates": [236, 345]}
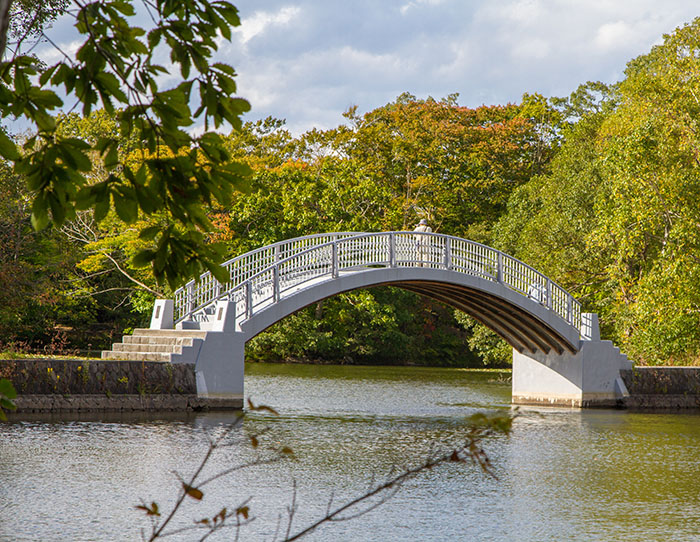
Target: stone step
{"type": "Point", "coordinates": [155, 345]}
{"type": "Point", "coordinates": [190, 325]}
{"type": "Point", "coordinates": [175, 333]}
{"type": "Point", "coordinates": [158, 340]}
{"type": "Point", "coordinates": [136, 356]}
{"type": "Point", "coordinates": [144, 348]}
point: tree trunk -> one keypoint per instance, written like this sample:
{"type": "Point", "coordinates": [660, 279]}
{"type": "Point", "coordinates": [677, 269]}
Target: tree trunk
{"type": "Point", "coordinates": [4, 24]}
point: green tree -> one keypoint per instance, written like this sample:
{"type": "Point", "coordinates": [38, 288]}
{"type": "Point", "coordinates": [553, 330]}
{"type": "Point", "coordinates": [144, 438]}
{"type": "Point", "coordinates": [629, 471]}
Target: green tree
{"type": "Point", "coordinates": [454, 165]}
{"type": "Point", "coordinates": [106, 249]}
{"type": "Point", "coordinates": [616, 219]}
{"type": "Point", "coordinates": [291, 197]}
{"type": "Point", "coordinates": [648, 206]}
{"type": "Point", "coordinates": [36, 270]}
{"type": "Point", "coordinates": [27, 19]}
{"type": "Point", "coordinates": [550, 219]}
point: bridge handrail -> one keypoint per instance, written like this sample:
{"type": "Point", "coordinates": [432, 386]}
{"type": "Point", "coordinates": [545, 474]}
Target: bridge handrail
{"type": "Point", "coordinates": [189, 299]}
{"type": "Point", "coordinates": [323, 256]}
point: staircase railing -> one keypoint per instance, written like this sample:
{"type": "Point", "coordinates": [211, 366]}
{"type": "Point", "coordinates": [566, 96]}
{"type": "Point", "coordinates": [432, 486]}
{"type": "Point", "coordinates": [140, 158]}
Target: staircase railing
{"type": "Point", "coordinates": [263, 276]}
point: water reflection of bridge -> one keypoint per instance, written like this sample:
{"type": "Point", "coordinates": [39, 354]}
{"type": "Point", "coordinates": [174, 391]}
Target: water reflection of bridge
{"type": "Point", "coordinates": [558, 357]}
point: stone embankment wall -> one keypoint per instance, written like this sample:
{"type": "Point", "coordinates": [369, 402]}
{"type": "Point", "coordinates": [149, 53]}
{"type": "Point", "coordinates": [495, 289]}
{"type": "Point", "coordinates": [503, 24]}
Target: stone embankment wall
{"type": "Point", "coordinates": [662, 387]}
{"type": "Point", "coordinates": [81, 385]}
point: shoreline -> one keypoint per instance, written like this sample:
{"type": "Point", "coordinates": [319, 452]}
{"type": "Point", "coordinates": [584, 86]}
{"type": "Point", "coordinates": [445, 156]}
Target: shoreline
{"type": "Point", "coordinates": [64, 385]}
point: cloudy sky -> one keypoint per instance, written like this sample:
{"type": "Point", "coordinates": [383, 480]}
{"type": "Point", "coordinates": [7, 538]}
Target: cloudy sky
{"type": "Point", "coordinates": [307, 61]}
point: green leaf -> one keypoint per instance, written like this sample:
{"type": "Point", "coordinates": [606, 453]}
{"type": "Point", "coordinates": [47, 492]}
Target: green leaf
{"type": "Point", "coordinates": [7, 404]}
{"type": "Point", "coordinates": [8, 149]}
{"type": "Point", "coordinates": [44, 77]}
{"type": "Point", "coordinates": [220, 273]}
{"type": "Point", "coordinates": [126, 8]}
{"type": "Point", "coordinates": [143, 258]}
{"type": "Point", "coordinates": [58, 209]}
{"type": "Point", "coordinates": [44, 121]}
{"type": "Point", "coordinates": [40, 212]}
{"type": "Point", "coordinates": [111, 159]}
{"type": "Point", "coordinates": [74, 154]}
{"type": "Point", "coordinates": [112, 86]}
{"type": "Point", "coordinates": [101, 208]}
{"type": "Point", "coordinates": [44, 98]}
{"type": "Point", "coordinates": [154, 37]}
{"type": "Point", "coordinates": [7, 389]}
{"type": "Point", "coordinates": [227, 84]}
{"type": "Point", "coordinates": [125, 205]}
{"type": "Point", "coordinates": [149, 233]}
{"type": "Point", "coordinates": [148, 201]}
{"type": "Point", "coordinates": [230, 13]}
{"type": "Point", "coordinates": [84, 199]}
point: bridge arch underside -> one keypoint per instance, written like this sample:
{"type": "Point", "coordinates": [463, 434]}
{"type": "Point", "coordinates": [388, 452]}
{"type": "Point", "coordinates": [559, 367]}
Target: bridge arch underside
{"type": "Point", "coordinates": [516, 326]}
{"type": "Point", "coordinates": [523, 323]}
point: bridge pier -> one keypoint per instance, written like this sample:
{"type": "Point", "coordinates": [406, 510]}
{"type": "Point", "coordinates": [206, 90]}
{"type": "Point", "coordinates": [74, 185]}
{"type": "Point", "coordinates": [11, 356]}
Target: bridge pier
{"type": "Point", "coordinates": [218, 356]}
{"type": "Point", "coordinates": [219, 369]}
{"type": "Point", "coordinates": [588, 378]}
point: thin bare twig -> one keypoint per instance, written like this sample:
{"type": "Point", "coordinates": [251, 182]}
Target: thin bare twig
{"type": "Point", "coordinates": [470, 450]}
{"type": "Point", "coordinates": [157, 532]}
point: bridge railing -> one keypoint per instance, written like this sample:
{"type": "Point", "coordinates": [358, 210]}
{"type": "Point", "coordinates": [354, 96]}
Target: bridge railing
{"type": "Point", "coordinates": [261, 277]}
{"type": "Point", "coordinates": [195, 295]}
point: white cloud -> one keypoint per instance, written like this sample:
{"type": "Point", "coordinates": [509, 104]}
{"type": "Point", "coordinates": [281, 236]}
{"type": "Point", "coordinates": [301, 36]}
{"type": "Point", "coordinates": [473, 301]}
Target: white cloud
{"type": "Point", "coordinates": [262, 21]}
{"type": "Point", "coordinates": [418, 3]}
{"type": "Point", "coordinates": [522, 12]}
{"type": "Point", "coordinates": [310, 65]}
{"type": "Point", "coordinates": [308, 60]}
{"type": "Point", "coordinates": [51, 55]}
{"type": "Point", "coordinates": [611, 36]}
{"type": "Point", "coordinates": [531, 48]}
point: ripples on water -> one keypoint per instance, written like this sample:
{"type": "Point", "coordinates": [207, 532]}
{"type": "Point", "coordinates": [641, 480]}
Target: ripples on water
{"type": "Point", "coordinates": [562, 475]}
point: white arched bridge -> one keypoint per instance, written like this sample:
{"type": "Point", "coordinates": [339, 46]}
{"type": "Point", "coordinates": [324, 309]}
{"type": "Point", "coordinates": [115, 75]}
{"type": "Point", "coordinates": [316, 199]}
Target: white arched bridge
{"type": "Point", "coordinates": [557, 348]}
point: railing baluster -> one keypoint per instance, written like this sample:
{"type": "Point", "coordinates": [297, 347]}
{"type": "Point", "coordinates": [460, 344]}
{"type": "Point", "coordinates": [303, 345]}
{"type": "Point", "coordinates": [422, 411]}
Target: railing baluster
{"type": "Point", "coordinates": [248, 300]}
{"type": "Point", "coordinates": [499, 267]}
{"type": "Point", "coordinates": [392, 250]}
{"type": "Point", "coordinates": [334, 259]}
{"type": "Point", "coordinates": [190, 298]}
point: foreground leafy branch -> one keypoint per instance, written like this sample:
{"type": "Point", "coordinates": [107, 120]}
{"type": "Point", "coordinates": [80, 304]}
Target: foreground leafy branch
{"type": "Point", "coordinates": [116, 68]}
{"type": "Point", "coordinates": [7, 394]}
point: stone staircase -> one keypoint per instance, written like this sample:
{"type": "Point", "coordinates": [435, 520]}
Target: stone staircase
{"type": "Point", "coordinates": [166, 345]}
{"type": "Point", "coordinates": [618, 354]}
{"type": "Point", "coordinates": [622, 355]}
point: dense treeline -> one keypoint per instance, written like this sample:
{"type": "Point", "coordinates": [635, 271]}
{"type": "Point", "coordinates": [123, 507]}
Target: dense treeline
{"type": "Point", "coordinates": [600, 191]}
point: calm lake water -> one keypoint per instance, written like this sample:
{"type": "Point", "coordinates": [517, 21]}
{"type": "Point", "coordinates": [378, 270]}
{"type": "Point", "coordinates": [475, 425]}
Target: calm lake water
{"type": "Point", "coordinates": [561, 474]}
